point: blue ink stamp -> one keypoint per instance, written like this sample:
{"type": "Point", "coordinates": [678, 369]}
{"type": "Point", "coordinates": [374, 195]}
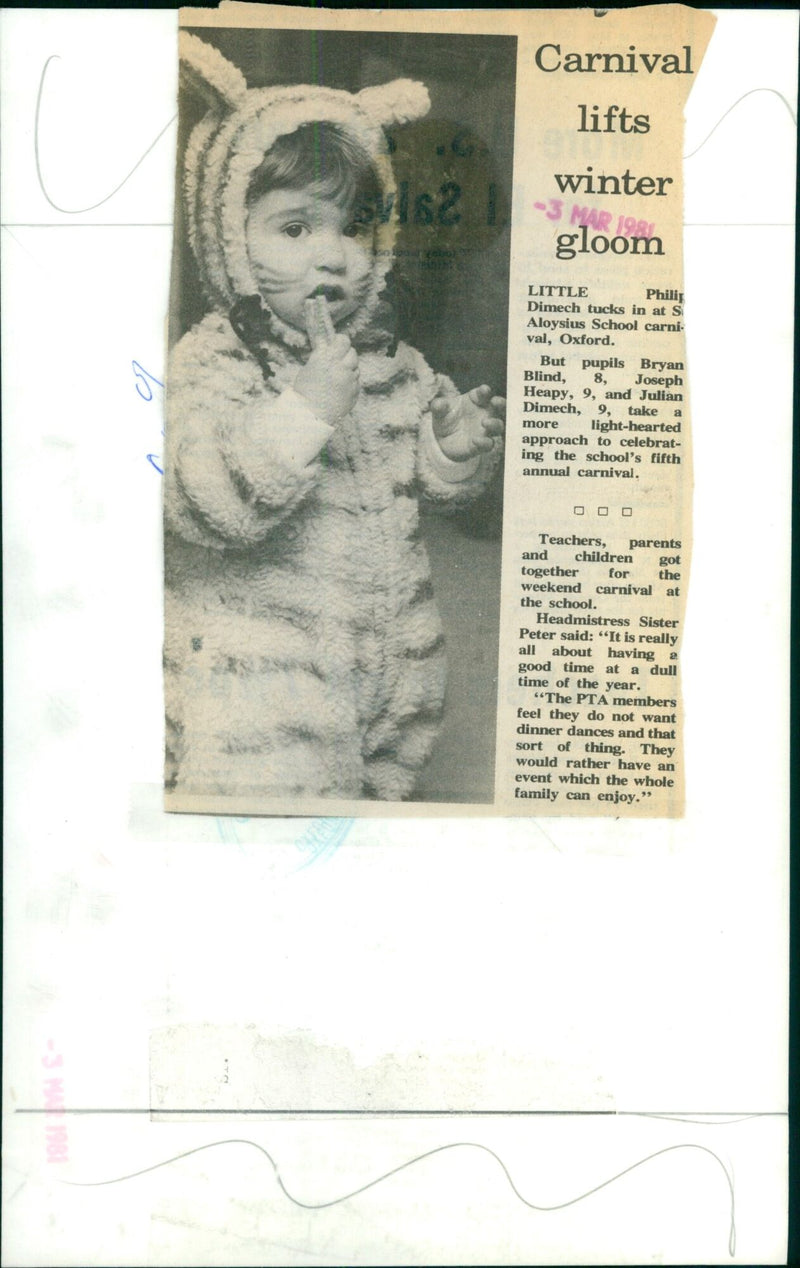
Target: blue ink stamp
{"type": "Point", "coordinates": [322, 838]}
{"type": "Point", "coordinates": [226, 827]}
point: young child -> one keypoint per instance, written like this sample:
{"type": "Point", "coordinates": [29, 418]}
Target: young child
{"type": "Point", "coordinates": [303, 650]}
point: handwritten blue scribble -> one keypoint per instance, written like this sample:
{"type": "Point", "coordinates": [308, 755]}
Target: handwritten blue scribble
{"type": "Point", "coordinates": [78, 211]}
{"type": "Point", "coordinates": [430, 1153]}
{"type": "Point", "coordinates": [143, 387]}
{"type": "Point", "coordinates": [144, 380]}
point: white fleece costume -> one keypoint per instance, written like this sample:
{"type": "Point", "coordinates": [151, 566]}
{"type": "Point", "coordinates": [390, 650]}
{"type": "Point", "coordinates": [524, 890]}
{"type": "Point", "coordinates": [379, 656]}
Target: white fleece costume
{"type": "Point", "coordinates": [303, 651]}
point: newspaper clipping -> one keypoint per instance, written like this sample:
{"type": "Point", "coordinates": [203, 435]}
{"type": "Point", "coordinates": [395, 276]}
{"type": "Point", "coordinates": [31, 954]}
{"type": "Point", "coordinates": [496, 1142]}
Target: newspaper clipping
{"type": "Point", "coordinates": [427, 495]}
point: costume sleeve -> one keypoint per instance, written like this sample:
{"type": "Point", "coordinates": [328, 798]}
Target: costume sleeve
{"type": "Point", "coordinates": [447, 484]}
{"type": "Point", "coordinates": [240, 456]}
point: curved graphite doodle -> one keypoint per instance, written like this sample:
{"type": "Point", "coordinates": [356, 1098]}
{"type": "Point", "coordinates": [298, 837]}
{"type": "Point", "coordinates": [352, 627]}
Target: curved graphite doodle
{"type": "Point", "coordinates": [697, 1120]}
{"type": "Point", "coordinates": [738, 100]}
{"type": "Point", "coordinates": [464, 1144]}
{"type": "Point", "coordinates": [78, 211]}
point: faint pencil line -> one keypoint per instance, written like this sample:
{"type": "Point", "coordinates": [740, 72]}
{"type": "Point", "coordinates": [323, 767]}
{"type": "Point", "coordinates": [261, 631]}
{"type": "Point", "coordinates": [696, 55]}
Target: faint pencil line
{"type": "Point", "coordinates": [86, 224]}
{"type": "Point", "coordinates": [167, 224]}
{"type": "Point", "coordinates": [737, 102]}
{"type": "Point", "coordinates": [715, 1120]}
{"type": "Point", "coordinates": [546, 835]}
{"type": "Point", "coordinates": [738, 224]}
{"type": "Point", "coordinates": [350, 1113]}
{"type": "Point", "coordinates": [678, 1116]}
{"type": "Point", "coordinates": [22, 248]}
{"type": "Point", "coordinates": [77, 211]}
{"type": "Point", "coordinates": [430, 1153]}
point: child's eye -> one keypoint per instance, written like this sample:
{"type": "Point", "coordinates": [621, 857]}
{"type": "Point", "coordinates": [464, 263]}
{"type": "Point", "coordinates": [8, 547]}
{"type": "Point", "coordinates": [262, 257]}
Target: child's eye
{"type": "Point", "coordinates": [354, 229]}
{"type": "Point", "coordinates": [294, 230]}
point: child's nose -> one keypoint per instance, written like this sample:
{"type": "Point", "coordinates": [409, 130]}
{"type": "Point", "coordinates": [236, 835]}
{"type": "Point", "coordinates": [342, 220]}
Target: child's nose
{"type": "Point", "coordinates": [330, 250]}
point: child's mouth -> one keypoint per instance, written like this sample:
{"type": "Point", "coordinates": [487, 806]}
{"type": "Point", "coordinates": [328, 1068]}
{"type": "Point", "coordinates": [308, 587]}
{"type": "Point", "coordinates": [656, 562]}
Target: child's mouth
{"type": "Point", "coordinates": [333, 294]}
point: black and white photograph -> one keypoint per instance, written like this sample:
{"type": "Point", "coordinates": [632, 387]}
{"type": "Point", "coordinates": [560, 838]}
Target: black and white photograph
{"type": "Point", "coordinates": [398, 620]}
{"type": "Point", "coordinates": [335, 415]}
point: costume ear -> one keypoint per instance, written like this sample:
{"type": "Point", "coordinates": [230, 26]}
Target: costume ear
{"type": "Point", "coordinates": [401, 101]}
{"type": "Point", "coordinates": [204, 70]}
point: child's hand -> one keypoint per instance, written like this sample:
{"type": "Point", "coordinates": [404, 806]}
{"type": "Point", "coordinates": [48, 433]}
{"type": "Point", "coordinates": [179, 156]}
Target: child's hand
{"type": "Point", "coordinates": [464, 425]}
{"type": "Point", "coordinates": [329, 379]}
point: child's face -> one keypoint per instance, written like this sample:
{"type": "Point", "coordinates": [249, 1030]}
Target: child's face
{"type": "Point", "coordinates": [303, 243]}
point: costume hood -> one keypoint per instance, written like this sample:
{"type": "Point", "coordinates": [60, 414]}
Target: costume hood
{"type": "Point", "coordinates": [229, 143]}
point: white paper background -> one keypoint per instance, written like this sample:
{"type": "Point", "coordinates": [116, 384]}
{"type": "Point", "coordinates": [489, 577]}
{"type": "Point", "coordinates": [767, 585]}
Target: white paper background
{"type": "Point", "coordinates": [629, 966]}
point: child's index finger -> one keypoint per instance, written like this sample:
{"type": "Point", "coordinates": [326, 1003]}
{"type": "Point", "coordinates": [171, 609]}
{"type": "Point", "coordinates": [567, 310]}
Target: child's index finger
{"type": "Point", "coordinates": [319, 323]}
{"type": "Point", "coordinates": [312, 323]}
{"type": "Point", "coordinates": [326, 319]}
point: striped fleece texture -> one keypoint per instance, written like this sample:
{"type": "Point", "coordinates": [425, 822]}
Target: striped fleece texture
{"type": "Point", "coordinates": [304, 654]}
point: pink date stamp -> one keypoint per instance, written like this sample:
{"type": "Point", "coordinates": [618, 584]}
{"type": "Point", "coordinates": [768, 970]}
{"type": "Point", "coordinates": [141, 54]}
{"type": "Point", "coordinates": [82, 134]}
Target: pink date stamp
{"type": "Point", "coordinates": [595, 218]}
{"type": "Point", "coordinates": [53, 1088]}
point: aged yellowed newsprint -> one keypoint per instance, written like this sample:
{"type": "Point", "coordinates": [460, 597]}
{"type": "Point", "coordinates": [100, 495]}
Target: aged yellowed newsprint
{"type": "Point", "coordinates": [428, 479]}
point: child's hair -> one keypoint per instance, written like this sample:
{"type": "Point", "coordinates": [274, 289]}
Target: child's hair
{"type": "Point", "coordinates": [322, 155]}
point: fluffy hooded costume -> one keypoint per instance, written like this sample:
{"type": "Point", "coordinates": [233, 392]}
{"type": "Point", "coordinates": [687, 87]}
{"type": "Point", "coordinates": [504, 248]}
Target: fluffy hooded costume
{"type": "Point", "coordinates": [303, 650]}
